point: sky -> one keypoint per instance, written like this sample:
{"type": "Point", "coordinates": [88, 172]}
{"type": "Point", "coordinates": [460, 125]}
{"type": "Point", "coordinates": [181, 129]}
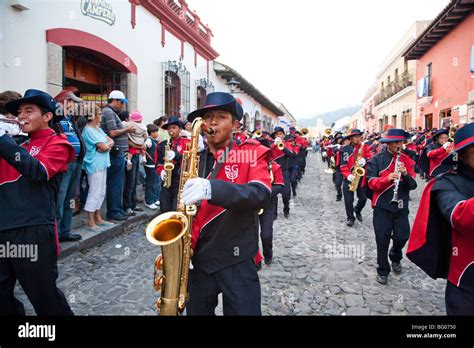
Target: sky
{"type": "Point", "coordinates": [312, 55]}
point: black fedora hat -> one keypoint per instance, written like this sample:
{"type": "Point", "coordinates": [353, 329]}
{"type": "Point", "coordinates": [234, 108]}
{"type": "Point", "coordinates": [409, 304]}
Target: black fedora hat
{"type": "Point", "coordinates": [355, 131]}
{"type": "Point", "coordinates": [32, 96]}
{"type": "Point", "coordinates": [173, 120]}
{"type": "Point", "coordinates": [439, 132]}
{"type": "Point", "coordinates": [463, 138]}
{"type": "Point", "coordinates": [277, 129]}
{"type": "Point", "coordinates": [394, 134]}
{"type": "Point", "coordinates": [218, 101]}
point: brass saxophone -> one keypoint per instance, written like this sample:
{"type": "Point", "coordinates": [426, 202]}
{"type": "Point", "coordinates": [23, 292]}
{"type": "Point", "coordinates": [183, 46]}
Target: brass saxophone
{"type": "Point", "coordinates": [168, 166]}
{"type": "Point", "coordinates": [172, 231]}
{"type": "Point", "coordinates": [358, 171]}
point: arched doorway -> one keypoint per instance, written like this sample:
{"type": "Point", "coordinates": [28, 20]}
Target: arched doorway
{"type": "Point", "coordinates": [246, 121]}
{"type": "Point", "coordinates": [258, 120]}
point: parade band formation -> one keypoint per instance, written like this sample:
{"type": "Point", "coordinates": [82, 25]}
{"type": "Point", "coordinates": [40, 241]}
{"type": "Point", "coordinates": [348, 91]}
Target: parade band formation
{"type": "Point", "coordinates": [218, 189]}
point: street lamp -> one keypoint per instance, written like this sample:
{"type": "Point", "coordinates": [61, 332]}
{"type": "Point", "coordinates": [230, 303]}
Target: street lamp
{"type": "Point", "coordinates": [233, 84]}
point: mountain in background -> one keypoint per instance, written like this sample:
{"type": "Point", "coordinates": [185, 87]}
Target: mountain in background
{"type": "Point", "coordinates": [330, 117]}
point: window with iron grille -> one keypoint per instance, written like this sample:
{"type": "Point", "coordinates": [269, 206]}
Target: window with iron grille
{"type": "Point", "coordinates": [175, 89]}
{"type": "Point", "coordinates": [203, 88]}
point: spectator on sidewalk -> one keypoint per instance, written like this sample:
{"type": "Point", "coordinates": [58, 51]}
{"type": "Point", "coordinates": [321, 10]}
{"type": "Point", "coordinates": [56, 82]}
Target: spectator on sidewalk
{"type": "Point", "coordinates": [136, 144]}
{"type": "Point", "coordinates": [114, 128]}
{"type": "Point", "coordinates": [28, 190]}
{"type": "Point", "coordinates": [66, 123]}
{"type": "Point", "coordinates": [162, 133]}
{"type": "Point", "coordinates": [153, 180]}
{"type": "Point", "coordinates": [96, 162]}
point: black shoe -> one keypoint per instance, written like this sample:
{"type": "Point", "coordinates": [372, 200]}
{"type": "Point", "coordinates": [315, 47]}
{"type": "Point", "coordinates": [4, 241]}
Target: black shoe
{"type": "Point", "coordinates": [350, 222]}
{"type": "Point", "coordinates": [137, 208]}
{"type": "Point", "coordinates": [117, 217]}
{"type": "Point", "coordinates": [268, 261]}
{"type": "Point", "coordinates": [294, 193]}
{"type": "Point", "coordinates": [397, 267]}
{"type": "Point", "coordinates": [338, 198]}
{"type": "Point", "coordinates": [287, 215]}
{"type": "Point", "coordinates": [382, 279]}
{"type": "Point", "coordinates": [358, 215]}
{"type": "Point", "coordinates": [71, 237]}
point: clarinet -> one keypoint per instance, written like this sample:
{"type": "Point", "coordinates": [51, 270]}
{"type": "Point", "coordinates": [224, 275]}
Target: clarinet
{"type": "Point", "coordinates": [395, 199]}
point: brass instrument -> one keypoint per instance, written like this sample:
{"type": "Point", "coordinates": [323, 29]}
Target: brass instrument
{"type": "Point", "coordinates": [168, 166]}
{"type": "Point", "coordinates": [280, 145]}
{"type": "Point", "coordinates": [358, 172]}
{"type": "Point", "coordinates": [304, 131]}
{"type": "Point", "coordinates": [258, 133]}
{"type": "Point", "coordinates": [327, 132]}
{"type": "Point", "coordinates": [172, 231]}
{"type": "Point", "coordinates": [452, 130]}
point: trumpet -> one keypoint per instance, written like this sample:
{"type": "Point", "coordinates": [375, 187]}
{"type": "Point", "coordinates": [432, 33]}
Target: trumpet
{"type": "Point", "coordinates": [304, 131]}
{"type": "Point", "coordinates": [327, 132]}
{"type": "Point", "coordinates": [280, 145]}
{"type": "Point", "coordinates": [258, 133]}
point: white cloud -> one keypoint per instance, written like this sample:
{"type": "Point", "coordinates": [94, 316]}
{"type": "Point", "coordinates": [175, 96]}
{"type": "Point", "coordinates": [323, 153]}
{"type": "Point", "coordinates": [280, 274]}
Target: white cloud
{"type": "Point", "coordinates": [312, 55]}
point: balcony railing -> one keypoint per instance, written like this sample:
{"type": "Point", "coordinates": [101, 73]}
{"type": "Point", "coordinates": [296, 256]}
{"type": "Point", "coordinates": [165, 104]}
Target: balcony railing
{"type": "Point", "coordinates": [394, 87]}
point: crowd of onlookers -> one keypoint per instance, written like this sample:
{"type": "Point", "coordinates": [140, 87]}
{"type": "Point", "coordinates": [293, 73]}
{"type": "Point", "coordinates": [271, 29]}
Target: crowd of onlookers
{"type": "Point", "coordinates": [114, 153]}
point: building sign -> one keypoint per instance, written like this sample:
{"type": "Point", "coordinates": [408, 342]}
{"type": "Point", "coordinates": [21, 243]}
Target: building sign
{"type": "Point", "coordinates": [98, 9]}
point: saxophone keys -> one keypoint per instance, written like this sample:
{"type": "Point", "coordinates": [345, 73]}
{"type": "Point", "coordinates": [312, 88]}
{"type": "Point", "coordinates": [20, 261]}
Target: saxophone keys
{"type": "Point", "coordinates": [159, 262]}
{"type": "Point", "coordinates": [158, 282]}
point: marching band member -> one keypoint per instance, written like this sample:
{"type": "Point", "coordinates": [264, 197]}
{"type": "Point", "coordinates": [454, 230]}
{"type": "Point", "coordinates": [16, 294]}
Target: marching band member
{"type": "Point", "coordinates": [349, 154]}
{"type": "Point", "coordinates": [294, 162]}
{"type": "Point", "coordinates": [437, 152]}
{"type": "Point", "coordinates": [441, 241]}
{"type": "Point", "coordinates": [177, 145]}
{"type": "Point", "coordinates": [390, 176]}
{"type": "Point", "coordinates": [337, 176]}
{"type": "Point", "coordinates": [282, 157]}
{"type": "Point", "coordinates": [225, 230]}
{"type": "Point", "coordinates": [29, 179]}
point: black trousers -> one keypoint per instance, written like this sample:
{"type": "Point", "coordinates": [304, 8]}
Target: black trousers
{"type": "Point", "coordinates": [337, 178]}
{"type": "Point", "coordinates": [294, 179]}
{"type": "Point", "coordinates": [239, 285]}
{"type": "Point", "coordinates": [394, 226]}
{"type": "Point", "coordinates": [169, 198]}
{"type": "Point", "coordinates": [285, 194]}
{"type": "Point", "coordinates": [36, 271]}
{"type": "Point", "coordinates": [266, 224]}
{"type": "Point", "coordinates": [349, 198]}
{"type": "Point", "coordinates": [458, 301]}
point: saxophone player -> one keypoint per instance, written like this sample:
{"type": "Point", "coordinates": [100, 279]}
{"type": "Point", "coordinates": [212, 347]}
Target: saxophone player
{"type": "Point", "coordinates": [234, 184]}
{"type": "Point", "coordinates": [349, 154]}
{"type": "Point", "coordinates": [169, 195]}
{"type": "Point", "coordinates": [391, 177]}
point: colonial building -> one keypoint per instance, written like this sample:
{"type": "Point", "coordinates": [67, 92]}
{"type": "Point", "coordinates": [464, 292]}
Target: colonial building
{"type": "Point", "coordinates": [259, 111]}
{"type": "Point", "coordinates": [157, 52]}
{"type": "Point", "coordinates": [444, 55]}
{"type": "Point", "coordinates": [395, 99]}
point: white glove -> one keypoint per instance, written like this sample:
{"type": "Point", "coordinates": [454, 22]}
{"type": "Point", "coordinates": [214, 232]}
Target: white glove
{"type": "Point", "coordinates": [170, 155]}
{"type": "Point", "coordinates": [350, 178]}
{"type": "Point", "coordinates": [446, 145]}
{"type": "Point", "coordinates": [163, 175]}
{"type": "Point", "coordinates": [277, 140]}
{"type": "Point", "coordinates": [404, 147]}
{"type": "Point", "coordinates": [201, 143]}
{"type": "Point", "coordinates": [196, 190]}
{"type": "Point", "coordinates": [362, 162]}
{"type": "Point", "coordinates": [325, 154]}
{"type": "Point", "coordinates": [337, 146]}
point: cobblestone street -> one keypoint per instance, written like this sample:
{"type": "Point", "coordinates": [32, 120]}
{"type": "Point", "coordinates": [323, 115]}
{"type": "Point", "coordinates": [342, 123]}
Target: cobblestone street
{"type": "Point", "coordinates": [321, 266]}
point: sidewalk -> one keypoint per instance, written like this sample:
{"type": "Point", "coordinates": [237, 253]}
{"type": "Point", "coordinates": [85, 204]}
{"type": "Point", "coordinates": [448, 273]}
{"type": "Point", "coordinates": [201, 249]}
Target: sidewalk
{"type": "Point", "coordinates": [92, 239]}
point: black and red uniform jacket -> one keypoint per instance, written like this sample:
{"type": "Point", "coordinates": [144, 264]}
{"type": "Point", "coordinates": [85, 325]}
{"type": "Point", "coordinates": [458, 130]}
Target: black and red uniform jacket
{"type": "Point", "coordinates": [29, 180]}
{"type": "Point", "coordinates": [282, 157]}
{"type": "Point", "coordinates": [411, 151]}
{"type": "Point", "coordinates": [225, 229]}
{"type": "Point", "coordinates": [378, 169]}
{"type": "Point", "coordinates": [436, 154]}
{"type": "Point", "coordinates": [178, 146]}
{"type": "Point", "coordinates": [348, 156]}
{"type": "Point", "coordinates": [442, 237]}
